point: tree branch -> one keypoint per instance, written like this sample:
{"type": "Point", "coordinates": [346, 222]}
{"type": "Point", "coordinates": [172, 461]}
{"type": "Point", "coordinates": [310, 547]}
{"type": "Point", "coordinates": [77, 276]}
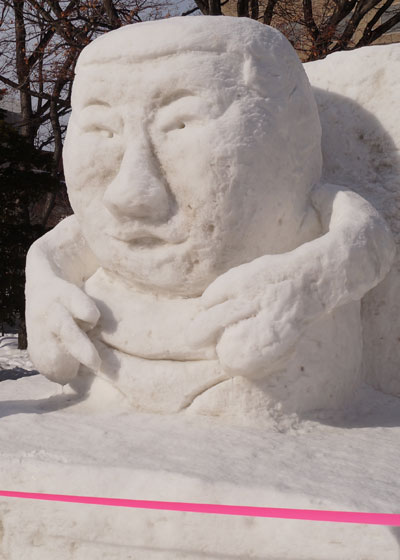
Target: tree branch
{"type": "Point", "coordinates": [31, 92]}
{"type": "Point", "coordinates": [190, 11]}
{"type": "Point", "coordinates": [367, 36]}
{"type": "Point", "coordinates": [203, 6]}
{"type": "Point", "coordinates": [309, 19]}
{"type": "Point", "coordinates": [384, 28]}
{"type": "Point", "coordinates": [269, 11]}
{"type": "Point", "coordinates": [68, 34]}
{"type": "Point", "coordinates": [361, 9]}
{"type": "Point", "coordinates": [112, 13]}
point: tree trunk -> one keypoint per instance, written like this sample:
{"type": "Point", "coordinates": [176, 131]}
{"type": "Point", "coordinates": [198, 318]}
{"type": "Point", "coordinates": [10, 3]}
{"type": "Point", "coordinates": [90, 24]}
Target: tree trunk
{"type": "Point", "coordinates": [214, 7]}
{"type": "Point", "coordinates": [269, 11]}
{"type": "Point", "coordinates": [255, 9]}
{"type": "Point", "coordinates": [243, 8]}
{"type": "Point", "coordinates": [22, 337]}
{"type": "Point", "coordinates": [27, 128]}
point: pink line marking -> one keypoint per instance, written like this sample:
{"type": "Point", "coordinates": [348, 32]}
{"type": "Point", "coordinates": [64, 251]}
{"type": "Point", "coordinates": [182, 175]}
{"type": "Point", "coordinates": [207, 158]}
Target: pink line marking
{"type": "Point", "coordinates": [390, 519]}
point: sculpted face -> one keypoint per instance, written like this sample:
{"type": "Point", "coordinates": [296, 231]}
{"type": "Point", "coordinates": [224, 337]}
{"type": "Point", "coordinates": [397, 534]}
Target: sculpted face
{"type": "Point", "coordinates": [176, 169]}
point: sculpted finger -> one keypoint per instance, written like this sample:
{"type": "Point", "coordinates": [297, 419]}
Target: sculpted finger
{"type": "Point", "coordinates": [79, 345]}
{"type": "Point", "coordinates": [223, 288]}
{"type": "Point", "coordinates": [208, 325]}
{"type": "Point", "coordinates": [217, 292]}
{"type": "Point", "coordinates": [249, 277]}
{"type": "Point", "coordinates": [238, 349]}
{"type": "Point", "coordinates": [81, 307]}
{"type": "Point", "coordinates": [76, 342]}
{"type": "Point", "coordinates": [59, 366]}
{"type": "Point", "coordinates": [256, 344]}
{"type": "Point", "coordinates": [51, 359]}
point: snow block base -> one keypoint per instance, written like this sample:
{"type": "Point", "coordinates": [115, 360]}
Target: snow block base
{"type": "Point", "coordinates": [53, 444]}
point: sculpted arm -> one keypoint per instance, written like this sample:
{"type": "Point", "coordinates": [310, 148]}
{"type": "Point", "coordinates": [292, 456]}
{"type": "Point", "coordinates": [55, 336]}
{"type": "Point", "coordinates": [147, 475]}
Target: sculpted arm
{"type": "Point", "coordinates": [58, 312]}
{"type": "Point", "coordinates": [256, 312]}
{"type": "Point", "coordinates": [357, 250]}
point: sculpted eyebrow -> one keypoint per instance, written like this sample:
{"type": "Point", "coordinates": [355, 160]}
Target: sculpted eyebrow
{"type": "Point", "coordinates": [172, 97]}
{"type": "Point", "coordinates": [96, 102]}
{"type": "Point", "coordinates": [94, 112]}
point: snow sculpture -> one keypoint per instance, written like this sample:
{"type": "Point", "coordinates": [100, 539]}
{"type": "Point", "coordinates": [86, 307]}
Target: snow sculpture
{"type": "Point", "coordinates": [206, 267]}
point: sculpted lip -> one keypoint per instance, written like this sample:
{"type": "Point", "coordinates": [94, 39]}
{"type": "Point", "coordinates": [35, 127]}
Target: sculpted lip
{"type": "Point", "coordinates": [145, 241]}
{"type": "Point", "coordinates": [172, 232]}
{"type": "Point", "coordinates": [146, 238]}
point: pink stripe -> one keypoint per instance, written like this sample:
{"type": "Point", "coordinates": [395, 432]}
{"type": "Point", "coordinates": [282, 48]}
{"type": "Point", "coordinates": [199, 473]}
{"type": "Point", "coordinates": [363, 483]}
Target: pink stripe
{"type": "Point", "coordinates": [391, 519]}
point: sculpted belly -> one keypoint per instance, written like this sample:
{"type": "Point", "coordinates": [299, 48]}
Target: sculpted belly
{"type": "Point", "coordinates": [142, 343]}
{"type": "Point", "coordinates": [143, 325]}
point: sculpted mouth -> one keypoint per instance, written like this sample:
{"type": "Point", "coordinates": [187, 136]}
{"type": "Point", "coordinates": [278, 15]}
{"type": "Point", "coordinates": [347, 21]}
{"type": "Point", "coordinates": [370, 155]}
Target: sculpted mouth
{"type": "Point", "coordinates": [139, 238]}
{"type": "Point", "coordinates": [138, 234]}
{"type": "Point", "coordinates": [144, 239]}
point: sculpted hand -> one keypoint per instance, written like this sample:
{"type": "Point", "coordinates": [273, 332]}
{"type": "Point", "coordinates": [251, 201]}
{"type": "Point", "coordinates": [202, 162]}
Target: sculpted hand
{"type": "Point", "coordinates": [60, 314]}
{"type": "Point", "coordinates": [255, 313]}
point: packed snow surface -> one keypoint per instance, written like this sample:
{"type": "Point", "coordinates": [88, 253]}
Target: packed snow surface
{"type": "Point", "coordinates": [54, 443]}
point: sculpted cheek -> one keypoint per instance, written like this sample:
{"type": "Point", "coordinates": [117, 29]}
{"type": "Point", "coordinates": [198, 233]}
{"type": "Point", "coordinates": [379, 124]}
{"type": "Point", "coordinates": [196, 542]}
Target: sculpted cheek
{"type": "Point", "coordinates": [103, 162]}
{"type": "Point", "coordinates": [92, 161]}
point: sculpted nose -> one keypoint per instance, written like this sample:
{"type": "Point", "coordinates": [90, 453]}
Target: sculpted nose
{"type": "Point", "coordinates": [137, 191]}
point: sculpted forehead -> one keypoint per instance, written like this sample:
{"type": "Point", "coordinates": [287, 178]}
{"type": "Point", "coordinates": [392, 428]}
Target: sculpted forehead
{"type": "Point", "coordinates": [158, 80]}
{"type": "Point", "coordinates": [151, 54]}
{"type": "Point", "coordinates": [150, 40]}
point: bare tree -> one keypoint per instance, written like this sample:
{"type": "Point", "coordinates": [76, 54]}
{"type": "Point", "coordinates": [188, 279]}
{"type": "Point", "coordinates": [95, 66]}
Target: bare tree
{"type": "Point", "coordinates": [317, 28]}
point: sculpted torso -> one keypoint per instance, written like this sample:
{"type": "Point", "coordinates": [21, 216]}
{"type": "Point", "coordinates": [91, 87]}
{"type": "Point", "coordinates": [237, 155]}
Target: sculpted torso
{"type": "Point", "coordinates": [158, 350]}
{"type": "Point", "coordinates": [206, 263]}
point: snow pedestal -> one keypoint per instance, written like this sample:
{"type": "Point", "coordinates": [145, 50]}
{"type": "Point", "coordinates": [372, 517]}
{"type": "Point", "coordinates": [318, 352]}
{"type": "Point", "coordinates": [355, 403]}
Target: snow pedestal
{"type": "Point", "coordinates": [53, 444]}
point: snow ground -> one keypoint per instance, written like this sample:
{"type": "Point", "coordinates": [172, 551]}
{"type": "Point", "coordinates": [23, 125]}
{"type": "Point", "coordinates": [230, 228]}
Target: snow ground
{"type": "Point", "coordinates": [52, 443]}
{"type": "Point", "coordinates": [14, 363]}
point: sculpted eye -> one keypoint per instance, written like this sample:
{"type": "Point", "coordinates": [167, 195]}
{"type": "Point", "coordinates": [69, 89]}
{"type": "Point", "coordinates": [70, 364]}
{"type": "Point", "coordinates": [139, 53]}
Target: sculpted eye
{"type": "Point", "coordinates": [106, 133]}
{"type": "Point", "coordinates": [175, 125]}
{"type": "Point", "coordinates": [99, 119]}
{"type": "Point", "coordinates": [101, 130]}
